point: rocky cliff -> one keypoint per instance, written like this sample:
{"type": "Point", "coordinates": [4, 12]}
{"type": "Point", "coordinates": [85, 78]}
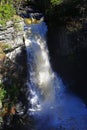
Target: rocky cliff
{"type": "Point", "coordinates": [68, 49]}
{"type": "Point", "coordinates": [12, 71]}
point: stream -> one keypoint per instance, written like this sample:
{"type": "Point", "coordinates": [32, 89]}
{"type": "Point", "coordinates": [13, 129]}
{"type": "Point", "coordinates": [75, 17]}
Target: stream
{"type": "Point", "coordinates": [50, 103]}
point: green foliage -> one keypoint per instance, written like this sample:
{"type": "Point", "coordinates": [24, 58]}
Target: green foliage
{"type": "Point", "coordinates": [56, 2]}
{"type": "Point", "coordinates": [8, 8]}
{"type": "Point", "coordinates": [2, 92]}
{"type": "Point", "coordinates": [6, 12]}
{"type": "Point", "coordinates": [5, 46]}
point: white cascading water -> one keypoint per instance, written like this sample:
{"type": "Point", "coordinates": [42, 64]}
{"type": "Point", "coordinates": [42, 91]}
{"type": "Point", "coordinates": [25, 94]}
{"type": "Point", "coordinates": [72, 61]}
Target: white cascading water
{"type": "Point", "coordinates": [51, 105]}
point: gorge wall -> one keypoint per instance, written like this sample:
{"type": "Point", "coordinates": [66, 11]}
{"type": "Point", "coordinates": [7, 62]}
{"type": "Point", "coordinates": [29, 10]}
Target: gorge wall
{"type": "Point", "coordinates": [68, 50]}
{"type": "Point", "coordinates": [12, 72]}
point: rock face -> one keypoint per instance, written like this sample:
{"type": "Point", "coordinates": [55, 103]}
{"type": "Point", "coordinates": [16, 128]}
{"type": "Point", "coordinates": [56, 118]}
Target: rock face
{"type": "Point", "coordinates": [12, 70]}
{"type": "Point", "coordinates": [12, 33]}
{"type": "Point", "coordinates": [13, 77]}
{"type": "Point", "coordinates": [11, 42]}
{"type": "Point", "coordinates": [12, 36]}
{"type": "Point", "coordinates": [68, 51]}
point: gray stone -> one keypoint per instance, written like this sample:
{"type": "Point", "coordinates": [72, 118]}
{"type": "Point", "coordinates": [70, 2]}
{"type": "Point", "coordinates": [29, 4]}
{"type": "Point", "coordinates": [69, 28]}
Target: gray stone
{"type": "Point", "coordinates": [12, 55]}
{"type": "Point", "coordinates": [20, 108]}
{"type": "Point", "coordinates": [9, 23]}
{"type": "Point", "coordinates": [11, 36]}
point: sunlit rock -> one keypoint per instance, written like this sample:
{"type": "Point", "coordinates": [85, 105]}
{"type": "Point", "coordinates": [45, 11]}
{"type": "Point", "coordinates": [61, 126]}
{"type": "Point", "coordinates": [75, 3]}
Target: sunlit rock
{"type": "Point", "coordinates": [33, 20]}
{"type": "Point", "coordinates": [28, 21]}
{"type": "Point", "coordinates": [17, 18]}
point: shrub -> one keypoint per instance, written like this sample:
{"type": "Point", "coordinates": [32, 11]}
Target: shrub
{"type": "Point", "coordinates": [6, 12]}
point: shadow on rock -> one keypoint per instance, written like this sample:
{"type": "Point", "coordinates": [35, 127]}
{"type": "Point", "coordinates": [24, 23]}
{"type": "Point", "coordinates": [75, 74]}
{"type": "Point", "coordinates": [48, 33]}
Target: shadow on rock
{"type": "Point", "coordinates": [68, 51]}
{"type": "Point", "coordinates": [13, 75]}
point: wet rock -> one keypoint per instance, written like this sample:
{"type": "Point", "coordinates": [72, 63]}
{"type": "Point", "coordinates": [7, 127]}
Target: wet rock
{"type": "Point", "coordinates": [12, 55]}
{"type": "Point", "coordinates": [33, 20]}
{"type": "Point", "coordinates": [7, 120]}
{"type": "Point", "coordinates": [20, 109]}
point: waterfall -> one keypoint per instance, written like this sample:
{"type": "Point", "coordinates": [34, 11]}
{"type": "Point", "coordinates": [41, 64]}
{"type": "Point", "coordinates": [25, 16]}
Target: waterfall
{"type": "Point", "coordinates": [49, 101]}
{"type": "Point", "coordinates": [41, 76]}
